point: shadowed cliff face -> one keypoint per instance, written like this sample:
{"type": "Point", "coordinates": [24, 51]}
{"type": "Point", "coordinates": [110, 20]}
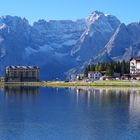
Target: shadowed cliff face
{"type": "Point", "coordinates": [66, 46]}
{"type": "Point", "coordinates": [45, 44]}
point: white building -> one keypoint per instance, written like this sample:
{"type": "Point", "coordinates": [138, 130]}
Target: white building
{"type": "Point", "coordinates": [135, 66]}
{"type": "Point", "coordinates": [95, 75]}
{"type": "Point", "coordinates": [80, 76]}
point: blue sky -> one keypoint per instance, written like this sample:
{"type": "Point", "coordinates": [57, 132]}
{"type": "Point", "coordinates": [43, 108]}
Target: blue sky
{"type": "Point", "coordinates": [126, 10]}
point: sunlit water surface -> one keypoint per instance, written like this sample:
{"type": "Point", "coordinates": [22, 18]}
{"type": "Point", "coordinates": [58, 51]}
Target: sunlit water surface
{"type": "Point", "coordinates": [69, 114]}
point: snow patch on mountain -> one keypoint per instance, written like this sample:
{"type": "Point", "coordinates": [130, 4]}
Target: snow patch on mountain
{"type": "Point", "coordinates": [57, 46]}
{"type": "Point", "coordinates": [2, 26]}
{"type": "Point", "coordinates": [29, 51]}
{"type": "Point", "coordinates": [46, 48]}
{"type": "Point", "coordinates": [70, 42]}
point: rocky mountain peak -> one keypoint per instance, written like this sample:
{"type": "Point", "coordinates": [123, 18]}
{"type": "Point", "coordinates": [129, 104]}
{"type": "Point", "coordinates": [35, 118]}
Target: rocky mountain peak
{"type": "Point", "coordinates": [97, 34]}
{"type": "Point", "coordinates": [57, 46]}
{"type": "Point", "coordinates": [94, 16]}
{"type": "Point", "coordinates": [13, 20]}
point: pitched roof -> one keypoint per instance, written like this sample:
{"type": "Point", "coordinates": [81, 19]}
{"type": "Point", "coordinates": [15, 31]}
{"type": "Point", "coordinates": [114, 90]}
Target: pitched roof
{"type": "Point", "coordinates": [22, 67]}
{"type": "Point", "coordinates": [135, 58]}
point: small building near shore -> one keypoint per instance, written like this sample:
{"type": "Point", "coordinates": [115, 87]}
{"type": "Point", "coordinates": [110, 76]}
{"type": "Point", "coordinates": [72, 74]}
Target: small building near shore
{"type": "Point", "coordinates": [80, 77]}
{"type": "Point", "coordinates": [22, 74]}
{"type": "Point", "coordinates": [95, 75]}
{"type": "Point", "coordinates": [2, 79]}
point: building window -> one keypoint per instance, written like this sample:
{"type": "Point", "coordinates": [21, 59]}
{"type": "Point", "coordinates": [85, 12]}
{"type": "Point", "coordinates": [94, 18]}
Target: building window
{"type": "Point", "coordinates": [27, 73]}
{"type": "Point", "coordinates": [15, 74]}
{"type": "Point", "coordinates": [33, 73]}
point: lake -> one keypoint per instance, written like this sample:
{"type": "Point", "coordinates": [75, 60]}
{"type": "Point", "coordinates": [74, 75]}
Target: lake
{"type": "Point", "coordinates": [32, 113]}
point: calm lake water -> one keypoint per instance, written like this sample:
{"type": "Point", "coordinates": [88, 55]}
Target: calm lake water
{"type": "Point", "coordinates": [69, 114]}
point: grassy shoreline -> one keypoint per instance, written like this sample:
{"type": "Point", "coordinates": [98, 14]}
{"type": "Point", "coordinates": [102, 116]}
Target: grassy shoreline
{"type": "Point", "coordinates": [95, 84]}
{"type": "Point", "coordinates": [109, 83]}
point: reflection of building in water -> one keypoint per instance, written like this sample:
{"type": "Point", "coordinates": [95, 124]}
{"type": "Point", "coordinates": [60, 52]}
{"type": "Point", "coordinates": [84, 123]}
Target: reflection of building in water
{"type": "Point", "coordinates": [134, 107]}
{"type": "Point", "coordinates": [103, 97]}
{"type": "Point", "coordinates": [106, 106]}
{"type": "Point", "coordinates": [103, 94]}
{"type": "Point", "coordinates": [22, 74]}
{"type": "Point", "coordinates": [20, 90]}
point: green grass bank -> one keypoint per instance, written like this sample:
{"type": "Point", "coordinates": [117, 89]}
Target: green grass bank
{"type": "Point", "coordinates": [109, 83]}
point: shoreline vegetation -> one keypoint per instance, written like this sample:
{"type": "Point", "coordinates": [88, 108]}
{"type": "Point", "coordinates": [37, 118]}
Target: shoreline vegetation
{"type": "Point", "coordinates": [106, 83]}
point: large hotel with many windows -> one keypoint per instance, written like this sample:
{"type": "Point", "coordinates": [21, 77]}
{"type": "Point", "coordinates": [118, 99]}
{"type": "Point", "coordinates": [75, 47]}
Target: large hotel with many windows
{"type": "Point", "coordinates": [21, 74]}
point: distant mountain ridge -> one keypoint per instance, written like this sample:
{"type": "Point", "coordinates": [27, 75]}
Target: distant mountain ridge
{"type": "Point", "coordinates": [65, 47]}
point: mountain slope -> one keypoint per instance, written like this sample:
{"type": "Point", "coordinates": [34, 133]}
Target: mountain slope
{"type": "Point", "coordinates": [64, 46]}
{"type": "Point", "coordinates": [46, 44]}
{"type": "Point", "coordinates": [100, 28]}
{"type": "Point", "coordinates": [122, 43]}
